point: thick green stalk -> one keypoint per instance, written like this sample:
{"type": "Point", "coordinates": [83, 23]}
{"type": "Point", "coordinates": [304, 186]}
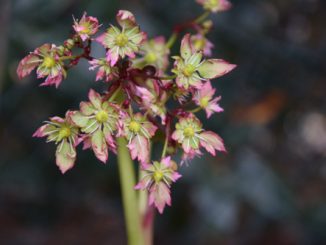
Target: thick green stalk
{"type": "Point", "coordinates": [143, 195]}
{"type": "Point", "coordinates": [129, 195]}
{"type": "Point", "coordinates": [147, 214]}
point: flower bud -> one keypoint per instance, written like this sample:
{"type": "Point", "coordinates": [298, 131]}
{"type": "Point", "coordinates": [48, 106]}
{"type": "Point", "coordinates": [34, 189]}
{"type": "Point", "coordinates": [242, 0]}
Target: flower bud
{"type": "Point", "coordinates": [69, 43]}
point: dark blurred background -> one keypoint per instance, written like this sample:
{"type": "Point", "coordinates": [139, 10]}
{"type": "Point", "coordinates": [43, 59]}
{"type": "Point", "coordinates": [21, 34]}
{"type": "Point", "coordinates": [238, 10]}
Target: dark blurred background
{"type": "Point", "coordinates": [268, 189]}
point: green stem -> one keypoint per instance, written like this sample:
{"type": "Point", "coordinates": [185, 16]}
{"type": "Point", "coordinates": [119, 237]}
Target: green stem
{"type": "Point", "coordinates": [142, 195]}
{"type": "Point", "coordinates": [172, 40]}
{"type": "Point", "coordinates": [202, 17]}
{"type": "Point", "coordinates": [195, 110]}
{"type": "Point", "coordinates": [175, 34]}
{"type": "Point", "coordinates": [165, 146]}
{"type": "Point", "coordinates": [168, 77]}
{"type": "Point", "coordinates": [115, 94]}
{"type": "Point", "coordinates": [146, 211]}
{"type": "Point", "coordinates": [129, 195]}
{"type": "Point", "coordinates": [147, 214]}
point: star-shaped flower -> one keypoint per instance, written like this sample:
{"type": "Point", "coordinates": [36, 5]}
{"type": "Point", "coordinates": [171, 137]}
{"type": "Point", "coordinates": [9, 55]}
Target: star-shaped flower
{"type": "Point", "coordinates": [154, 52]}
{"type": "Point", "coordinates": [48, 64]}
{"type": "Point", "coordinates": [191, 136]}
{"type": "Point", "coordinates": [105, 71]}
{"type": "Point", "coordinates": [64, 134]}
{"type": "Point", "coordinates": [191, 70]}
{"type": "Point", "coordinates": [204, 99]}
{"type": "Point", "coordinates": [98, 120]}
{"type": "Point", "coordinates": [138, 131]}
{"type": "Point", "coordinates": [86, 26]}
{"type": "Point", "coordinates": [157, 180]}
{"type": "Point", "coordinates": [122, 42]}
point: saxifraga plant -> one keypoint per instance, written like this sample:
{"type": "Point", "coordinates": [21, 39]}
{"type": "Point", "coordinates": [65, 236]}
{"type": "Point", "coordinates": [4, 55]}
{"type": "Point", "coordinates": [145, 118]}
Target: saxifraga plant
{"type": "Point", "coordinates": [124, 118]}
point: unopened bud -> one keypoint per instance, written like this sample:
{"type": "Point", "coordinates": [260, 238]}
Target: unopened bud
{"type": "Point", "coordinates": [207, 25]}
{"type": "Point", "coordinates": [61, 50]}
{"type": "Point", "coordinates": [69, 43]}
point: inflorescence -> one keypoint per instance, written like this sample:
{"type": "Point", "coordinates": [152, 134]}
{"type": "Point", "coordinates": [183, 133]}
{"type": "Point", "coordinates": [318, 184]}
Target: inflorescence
{"type": "Point", "coordinates": [146, 96]}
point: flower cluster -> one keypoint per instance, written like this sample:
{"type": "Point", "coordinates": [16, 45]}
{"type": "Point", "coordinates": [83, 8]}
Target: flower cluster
{"type": "Point", "coordinates": [147, 96]}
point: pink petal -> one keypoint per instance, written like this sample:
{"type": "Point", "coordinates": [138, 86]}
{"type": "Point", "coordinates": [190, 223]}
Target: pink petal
{"type": "Point", "coordinates": [95, 98]}
{"type": "Point", "coordinates": [160, 40]}
{"type": "Point", "coordinates": [110, 141]}
{"type": "Point", "coordinates": [142, 184]}
{"type": "Point", "coordinates": [186, 49]}
{"type": "Point", "coordinates": [150, 127]}
{"type": "Point", "coordinates": [214, 68]}
{"type": "Point", "coordinates": [139, 148]}
{"type": "Point", "coordinates": [176, 176]}
{"type": "Point", "coordinates": [65, 158]}
{"type": "Point", "coordinates": [53, 80]}
{"type": "Point", "coordinates": [159, 195]}
{"type": "Point", "coordinates": [224, 5]}
{"type": "Point", "coordinates": [44, 49]}
{"type": "Point", "coordinates": [27, 64]}
{"type": "Point", "coordinates": [99, 146]}
{"type": "Point", "coordinates": [57, 120]}
{"type": "Point", "coordinates": [87, 143]}
{"type": "Point", "coordinates": [186, 145]}
{"type": "Point", "coordinates": [211, 142]}
{"type": "Point", "coordinates": [208, 48]}
{"type": "Point", "coordinates": [213, 107]}
{"type": "Point", "coordinates": [101, 39]}
{"type": "Point", "coordinates": [112, 56]}
{"type": "Point", "coordinates": [145, 94]}
{"type": "Point", "coordinates": [40, 131]}
{"type": "Point", "coordinates": [186, 157]}
{"type": "Point", "coordinates": [177, 135]}
{"type": "Point", "coordinates": [166, 161]}
{"type": "Point", "coordinates": [86, 108]}
{"type": "Point", "coordinates": [207, 90]}
{"type": "Point", "coordinates": [126, 19]}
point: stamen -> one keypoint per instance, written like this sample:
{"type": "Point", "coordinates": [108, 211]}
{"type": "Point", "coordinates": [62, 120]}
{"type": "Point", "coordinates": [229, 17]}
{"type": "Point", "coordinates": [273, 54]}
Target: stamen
{"type": "Point", "coordinates": [61, 145]}
{"type": "Point", "coordinates": [52, 131]}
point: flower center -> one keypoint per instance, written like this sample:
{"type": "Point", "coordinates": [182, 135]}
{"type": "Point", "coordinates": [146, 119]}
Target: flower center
{"type": "Point", "coordinates": [86, 28]}
{"type": "Point", "coordinates": [158, 176]}
{"type": "Point", "coordinates": [189, 70]}
{"type": "Point", "coordinates": [121, 40]}
{"type": "Point", "coordinates": [212, 3]}
{"type": "Point", "coordinates": [134, 126]}
{"type": "Point", "coordinates": [102, 116]}
{"type": "Point", "coordinates": [150, 57]}
{"type": "Point", "coordinates": [204, 102]}
{"type": "Point", "coordinates": [48, 62]}
{"type": "Point", "coordinates": [189, 131]}
{"type": "Point", "coordinates": [64, 132]}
